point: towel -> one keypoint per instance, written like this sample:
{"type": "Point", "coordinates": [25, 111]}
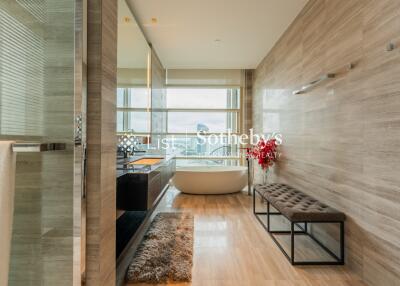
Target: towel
{"type": "Point", "coordinates": [7, 181]}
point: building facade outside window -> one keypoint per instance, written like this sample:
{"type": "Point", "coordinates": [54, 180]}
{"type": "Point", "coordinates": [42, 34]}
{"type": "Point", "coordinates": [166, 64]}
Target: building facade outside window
{"type": "Point", "coordinates": [212, 112]}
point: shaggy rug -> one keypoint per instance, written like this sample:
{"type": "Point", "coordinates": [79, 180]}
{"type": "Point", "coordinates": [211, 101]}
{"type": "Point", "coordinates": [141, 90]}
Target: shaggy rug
{"type": "Point", "coordinates": [166, 252]}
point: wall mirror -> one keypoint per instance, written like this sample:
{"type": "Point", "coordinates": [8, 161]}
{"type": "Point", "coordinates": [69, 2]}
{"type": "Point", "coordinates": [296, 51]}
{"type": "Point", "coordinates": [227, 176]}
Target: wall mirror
{"type": "Point", "coordinates": [133, 94]}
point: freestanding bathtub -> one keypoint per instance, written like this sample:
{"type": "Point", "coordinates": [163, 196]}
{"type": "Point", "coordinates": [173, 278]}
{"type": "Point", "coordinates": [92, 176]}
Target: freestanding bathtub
{"type": "Point", "coordinates": [210, 179]}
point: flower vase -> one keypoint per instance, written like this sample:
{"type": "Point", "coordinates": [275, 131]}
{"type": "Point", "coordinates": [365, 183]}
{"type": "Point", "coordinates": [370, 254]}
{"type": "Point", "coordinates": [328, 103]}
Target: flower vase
{"type": "Point", "coordinates": [265, 177]}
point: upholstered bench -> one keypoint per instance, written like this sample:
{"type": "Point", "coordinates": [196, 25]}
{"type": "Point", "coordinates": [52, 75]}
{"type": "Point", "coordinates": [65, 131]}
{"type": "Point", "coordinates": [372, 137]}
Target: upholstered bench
{"type": "Point", "coordinates": [299, 208]}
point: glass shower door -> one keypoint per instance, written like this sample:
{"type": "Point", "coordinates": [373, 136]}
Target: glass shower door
{"type": "Point", "coordinates": [38, 105]}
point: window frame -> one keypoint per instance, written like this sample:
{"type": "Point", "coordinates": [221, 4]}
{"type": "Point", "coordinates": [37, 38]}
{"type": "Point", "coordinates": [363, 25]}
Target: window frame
{"type": "Point", "coordinates": [237, 111]}
{"type": "Point", "coordinates": [126, 110]}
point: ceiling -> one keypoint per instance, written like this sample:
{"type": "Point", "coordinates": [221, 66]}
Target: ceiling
{"type": "Point", "coordinates": [132, 45]}
{"type": "Point", "coordinates": [214, 34]}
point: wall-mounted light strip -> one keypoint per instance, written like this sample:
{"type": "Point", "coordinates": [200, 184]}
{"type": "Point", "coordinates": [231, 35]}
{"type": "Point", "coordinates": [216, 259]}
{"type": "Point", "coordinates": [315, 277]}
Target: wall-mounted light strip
{"type": "Point", "coordinates": [149, 103]}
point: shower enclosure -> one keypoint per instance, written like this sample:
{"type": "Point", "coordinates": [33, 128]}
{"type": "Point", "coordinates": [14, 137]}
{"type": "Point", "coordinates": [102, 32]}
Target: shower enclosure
{"type": "Point", "coordinates": [43, 101]}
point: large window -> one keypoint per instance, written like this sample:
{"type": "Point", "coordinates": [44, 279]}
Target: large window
{"type": "Point", "coordinates": [133, 107]}
{"type": "Point", "coordinates": [204, 98]}
{"type": "Point", "coordinates": [200, 120]}
{"type": "Point", "coordinates": [214, 112]}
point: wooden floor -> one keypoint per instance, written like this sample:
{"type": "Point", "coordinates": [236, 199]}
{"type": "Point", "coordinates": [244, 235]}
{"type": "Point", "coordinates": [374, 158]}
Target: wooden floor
{"type": "Point", "coordinates": [232, 249]}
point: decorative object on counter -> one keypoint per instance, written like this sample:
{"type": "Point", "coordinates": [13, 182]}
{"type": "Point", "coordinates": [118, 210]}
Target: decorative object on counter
{"type": "Point", "coordinates": [166, 252]}
{"type": "Point", "coordinates": [266, 154]}
{"type": "Point", "coordinates": [128, 144]}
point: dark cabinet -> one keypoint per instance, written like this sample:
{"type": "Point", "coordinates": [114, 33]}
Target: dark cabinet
{"type": "Point", "coordinates": [141, 191]}
{"type": "Point", "coordinates": [154, 189]}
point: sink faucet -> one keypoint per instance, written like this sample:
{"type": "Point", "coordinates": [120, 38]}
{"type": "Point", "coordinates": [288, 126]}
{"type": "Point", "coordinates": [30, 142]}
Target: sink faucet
{"type": "Point", "coordinates": [129, 151]}
{"type": "Point", "coordinates": [134, 150]}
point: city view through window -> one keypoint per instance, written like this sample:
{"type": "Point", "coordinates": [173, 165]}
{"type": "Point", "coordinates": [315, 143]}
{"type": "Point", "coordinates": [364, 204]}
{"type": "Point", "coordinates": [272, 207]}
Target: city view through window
{"type": "Point", "coordinates": [212, 112]}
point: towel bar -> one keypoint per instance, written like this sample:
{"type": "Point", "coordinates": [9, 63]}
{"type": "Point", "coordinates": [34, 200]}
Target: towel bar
{"type": "Point", "coordinates": [307, 87]}
{"type": "Point", "coordinates": [38, 147]}
{"type": "Point", "coordinates": [324, 77]}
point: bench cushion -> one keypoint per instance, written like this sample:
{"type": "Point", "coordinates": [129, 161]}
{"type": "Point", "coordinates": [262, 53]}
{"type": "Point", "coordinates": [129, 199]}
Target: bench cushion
{"type": "Point", "coordinates": [296, 205]}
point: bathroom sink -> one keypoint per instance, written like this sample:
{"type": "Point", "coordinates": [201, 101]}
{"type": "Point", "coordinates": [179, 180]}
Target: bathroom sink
{"type": "Point", "coordinates": [146, 161]}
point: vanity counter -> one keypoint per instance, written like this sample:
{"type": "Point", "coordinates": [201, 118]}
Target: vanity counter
{"type": "Point", "coordinates": [124, 168]}
{"type": "Point", "coordinates": [140, 187]}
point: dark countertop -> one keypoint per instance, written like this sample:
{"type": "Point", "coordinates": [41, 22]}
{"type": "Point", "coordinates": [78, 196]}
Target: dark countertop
{"type": "Point", "coordinates": [122, 168]}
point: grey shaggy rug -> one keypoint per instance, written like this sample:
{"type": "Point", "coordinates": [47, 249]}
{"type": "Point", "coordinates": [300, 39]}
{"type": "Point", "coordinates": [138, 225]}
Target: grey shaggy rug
{"type": "Point", "coordinates": [166, 252]}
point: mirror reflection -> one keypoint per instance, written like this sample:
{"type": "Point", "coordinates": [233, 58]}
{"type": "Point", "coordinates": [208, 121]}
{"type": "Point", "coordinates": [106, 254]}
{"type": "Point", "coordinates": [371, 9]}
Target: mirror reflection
{"type": "Point", "coordinates": [133, 94]}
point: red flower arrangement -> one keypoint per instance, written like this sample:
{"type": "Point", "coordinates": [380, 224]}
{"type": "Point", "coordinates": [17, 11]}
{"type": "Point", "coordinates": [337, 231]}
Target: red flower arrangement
{"type": "Point", "coordinates": [265, 152]}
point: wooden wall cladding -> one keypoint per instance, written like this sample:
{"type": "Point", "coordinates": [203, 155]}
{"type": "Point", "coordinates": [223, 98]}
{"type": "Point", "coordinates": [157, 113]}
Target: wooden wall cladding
{"type": "Point", "coordinates": [341, 139]}
{"type": "Point", "coordinates": [101, 130]}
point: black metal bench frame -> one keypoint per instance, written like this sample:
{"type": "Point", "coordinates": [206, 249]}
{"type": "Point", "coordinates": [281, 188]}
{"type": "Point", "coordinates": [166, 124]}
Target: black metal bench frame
{"type": "Point", "coordinates": [338, 260]}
